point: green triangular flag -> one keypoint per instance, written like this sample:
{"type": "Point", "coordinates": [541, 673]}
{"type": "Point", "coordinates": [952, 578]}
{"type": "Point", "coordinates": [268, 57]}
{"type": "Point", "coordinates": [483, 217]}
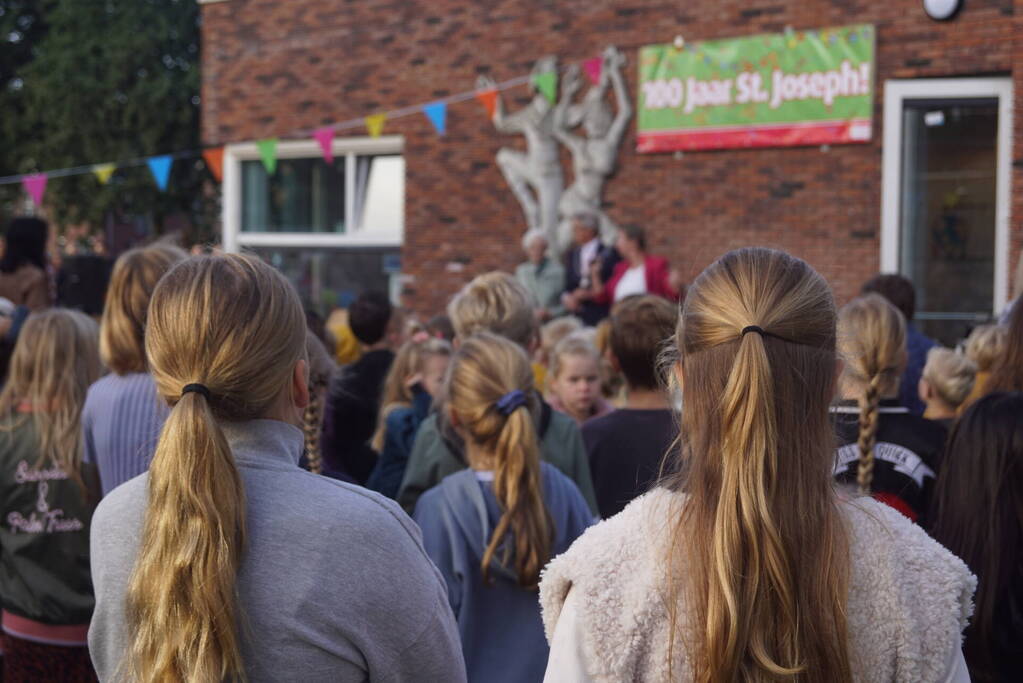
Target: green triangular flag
{"type": "Point", "coordinates": [547, 83]}
{"type": "Point", "coordinates": [268, 152]}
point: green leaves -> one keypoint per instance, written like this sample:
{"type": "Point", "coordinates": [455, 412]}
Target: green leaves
{"type": "Point", "coordinates": [107, 81]}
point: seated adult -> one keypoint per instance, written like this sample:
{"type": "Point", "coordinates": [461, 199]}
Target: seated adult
{"type": "Point", "coordinates": [588, 252]}
{"type": "Point", "coordinates": [637, 273]}
{"type": "Point", "coordinates": [542, 276]}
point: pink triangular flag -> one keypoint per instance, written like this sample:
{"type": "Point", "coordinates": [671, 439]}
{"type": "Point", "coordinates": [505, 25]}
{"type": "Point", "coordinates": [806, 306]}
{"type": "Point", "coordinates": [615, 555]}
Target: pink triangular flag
{"type": "Point", "coordinates": [592, 68]}
{"type": "Point", "coordinates": [325, 136]}
{"type": "Point", "coordinates": [35, 185]}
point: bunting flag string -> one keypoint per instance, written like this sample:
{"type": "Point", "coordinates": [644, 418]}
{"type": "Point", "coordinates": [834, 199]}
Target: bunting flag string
{"type": "Point", "coordinates": [375, 124]}
{"type": "Point", "coordinates": [103, 172]}
{"type": "Point", "coordinates": [214, 158]}
{"type": "Point", "coordinates": [325, 136]}
{"type": "Point", "coordinates": [436, 112]}
{"type": "Point", "coordinates": [160, 167]}
{"type": "Point", "coordinates": [488, 98]}
{"type": "Point", "coordinates": [268, 153]}
{"type": "Point", "coordinates": [35, 185]}
{"type": "Point", "coordinates": [547, 83]}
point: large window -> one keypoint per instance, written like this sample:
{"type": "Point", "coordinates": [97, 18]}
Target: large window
{"type": "Point", "coordinates": [335, 229]}
{"type": "Point", "coordinates": [356, 200]}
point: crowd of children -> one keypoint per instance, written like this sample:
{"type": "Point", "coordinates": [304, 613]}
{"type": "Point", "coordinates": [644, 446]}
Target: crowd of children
{"type": "Point", "coordinates": [209, 485]}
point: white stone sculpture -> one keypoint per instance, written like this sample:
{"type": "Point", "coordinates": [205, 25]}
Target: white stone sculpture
{"type": "Point", "coordinates": [593, 156]}
{"type": "Point", "coordinates": [534, 175]}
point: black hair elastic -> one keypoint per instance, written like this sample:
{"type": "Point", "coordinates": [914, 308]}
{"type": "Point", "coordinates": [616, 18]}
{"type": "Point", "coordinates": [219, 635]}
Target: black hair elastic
{"type": "Point", "coordinates": [196, 389]}
{"type": "Point", "coordinates": [753, 328]}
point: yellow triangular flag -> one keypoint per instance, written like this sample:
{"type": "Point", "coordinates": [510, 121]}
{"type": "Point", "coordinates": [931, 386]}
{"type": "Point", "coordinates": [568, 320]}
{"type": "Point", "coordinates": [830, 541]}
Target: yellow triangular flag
{"type": "Point", "coordinates": [375, 124]}
{"type": "Point", "coordinates": [104, 171]}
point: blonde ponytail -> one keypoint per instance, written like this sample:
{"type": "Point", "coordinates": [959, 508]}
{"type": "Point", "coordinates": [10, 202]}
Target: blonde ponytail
{"type": "Point", "coordinates": [759, 532]}
{"type": "Point", "coordinates": [872, 339]}
{"type": "Point", "coordinates": [485, 369]}
{"type": "Point", "coordinates": [194, 534]}
{"type": "Point", "coordinates": [233, 325]}
{"type": "Point", "coordinates": [518, 491]}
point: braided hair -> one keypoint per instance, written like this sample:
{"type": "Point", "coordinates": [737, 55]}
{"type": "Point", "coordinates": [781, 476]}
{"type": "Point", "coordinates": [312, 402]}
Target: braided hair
{"type": "Point", "coordinates": [872, 337]}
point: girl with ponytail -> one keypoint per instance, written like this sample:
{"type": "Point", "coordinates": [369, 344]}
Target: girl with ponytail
{"type": "Point", "coordinates": [194, 562]}
{"type": "Point", "coordinates": [748, 565]}
{"type": "Point", "coordinates": [884, 450]}
{"type": "Point", "coordinates": [492, 528]}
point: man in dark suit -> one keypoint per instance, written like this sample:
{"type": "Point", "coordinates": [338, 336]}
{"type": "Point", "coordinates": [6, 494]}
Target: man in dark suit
{"type": "Point", "coordinates": [587, 250]}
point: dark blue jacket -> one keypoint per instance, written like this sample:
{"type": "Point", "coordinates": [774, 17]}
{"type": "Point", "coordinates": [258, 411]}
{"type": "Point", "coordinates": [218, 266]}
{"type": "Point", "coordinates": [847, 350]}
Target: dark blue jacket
{"type": "Point", "coordinates": [400, 430]}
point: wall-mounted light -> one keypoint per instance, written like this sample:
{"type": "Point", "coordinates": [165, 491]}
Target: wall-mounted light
{"type": "Point", "coordinates": [943, 10]}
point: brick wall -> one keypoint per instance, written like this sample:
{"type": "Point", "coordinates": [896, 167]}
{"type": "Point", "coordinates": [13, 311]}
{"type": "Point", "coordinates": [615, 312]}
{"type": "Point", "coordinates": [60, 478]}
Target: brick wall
{"type": "Point", "coordinates": [272, 67]}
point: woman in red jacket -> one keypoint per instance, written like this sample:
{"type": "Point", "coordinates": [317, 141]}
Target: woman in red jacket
{"type": "Point", "coordinates": [637, 272]}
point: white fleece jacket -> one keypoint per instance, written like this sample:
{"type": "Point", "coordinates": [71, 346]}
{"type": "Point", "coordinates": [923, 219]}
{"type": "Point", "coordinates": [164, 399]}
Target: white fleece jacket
{"type": "Point", "coordinates": [909, 598]}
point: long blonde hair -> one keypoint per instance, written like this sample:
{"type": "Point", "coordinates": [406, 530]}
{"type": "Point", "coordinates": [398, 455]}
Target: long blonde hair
{"type": "Point", "coordinates": [483, 370]}
{"type": "Point", "coordinates": [872, 339]}
{"type": "Point", "coordinates": [55, 360]}
{"type": "Point", "coordinates": [760, 532]}
{"type": "Point", "coordinates": [123, 327]}
{"type": "Point", "coordinates": [410, 359]}
{"type": "Point", "coordinates": [235, 325]}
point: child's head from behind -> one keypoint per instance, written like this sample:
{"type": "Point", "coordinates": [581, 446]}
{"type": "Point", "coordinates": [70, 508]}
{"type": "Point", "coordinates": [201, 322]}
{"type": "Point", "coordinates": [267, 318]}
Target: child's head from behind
{"type": "Point", "coordinates": [370, 318]}
{"type": "Point", "coordinates": [55, 360]}
{"type": "Point", "coordinates": [640, 327]}
{"type": "Point", "coordinates": [574, 377]}
{"type": "Point", "coordinates": [496, 303]}
{"type": "Point", "coordinates": [424, 362]}
{"type": "Point", "coordinates": [986, 344]}
{"type": "Point", "coordinates": [946, 381]}
{"type": "Point", "coordinates": [122, 332]}
{"type": "Point", "coordinates": [489, 395]}
{"type": "Point", "coordinates": [872, 341]}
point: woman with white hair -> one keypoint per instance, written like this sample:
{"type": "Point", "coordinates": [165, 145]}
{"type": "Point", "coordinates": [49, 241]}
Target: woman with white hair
{"type": "Point", "coordinates": [542, 276]}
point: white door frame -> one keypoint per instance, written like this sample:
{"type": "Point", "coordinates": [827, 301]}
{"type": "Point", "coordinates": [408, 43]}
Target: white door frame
{"type": "Point", "coordinates": [895, 93]}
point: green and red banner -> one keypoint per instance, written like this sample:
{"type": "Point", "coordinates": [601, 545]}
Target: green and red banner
{"type": "Point", "coordinates": [772, 90]}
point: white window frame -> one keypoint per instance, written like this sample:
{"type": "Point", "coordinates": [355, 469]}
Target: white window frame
{"type": "Point", "coordinates": [234, 239]}
{"type": "Point", "coordinates": [896, 92]}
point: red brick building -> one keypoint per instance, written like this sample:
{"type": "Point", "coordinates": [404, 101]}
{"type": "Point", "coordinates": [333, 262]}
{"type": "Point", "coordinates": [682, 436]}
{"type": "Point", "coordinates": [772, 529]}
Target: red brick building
{"type": "Point", "coordinates": [274, 68]}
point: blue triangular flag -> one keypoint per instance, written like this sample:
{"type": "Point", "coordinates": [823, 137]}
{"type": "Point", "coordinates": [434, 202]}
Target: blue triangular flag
{"type": "Point", "coordinates": [160, 168]}
{"type": "Point", "coordinates": [437, 112]}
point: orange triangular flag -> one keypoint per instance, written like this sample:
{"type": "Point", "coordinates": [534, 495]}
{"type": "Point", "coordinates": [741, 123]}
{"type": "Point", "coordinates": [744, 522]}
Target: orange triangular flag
{"type": "Point", "coordinates": [375, 124]}
{"type": "Point", "coordinates": [214, 158]}
{"type": "Point", "coordinates": [489, 100]}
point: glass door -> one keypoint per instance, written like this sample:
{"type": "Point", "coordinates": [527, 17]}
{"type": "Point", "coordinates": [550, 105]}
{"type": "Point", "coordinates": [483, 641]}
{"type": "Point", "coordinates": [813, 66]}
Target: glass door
{"type": "Point", "coordinates": [947, 234]}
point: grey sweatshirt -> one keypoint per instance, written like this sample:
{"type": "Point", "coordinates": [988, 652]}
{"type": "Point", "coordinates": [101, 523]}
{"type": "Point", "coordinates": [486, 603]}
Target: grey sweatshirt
{"type": "Point", "coordinates": [334, 583]}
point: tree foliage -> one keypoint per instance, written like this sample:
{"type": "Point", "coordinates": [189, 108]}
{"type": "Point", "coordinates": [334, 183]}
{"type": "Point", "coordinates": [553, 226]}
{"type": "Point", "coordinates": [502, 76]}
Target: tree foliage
{"type": "Point", "coordinates": [104, 80]}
